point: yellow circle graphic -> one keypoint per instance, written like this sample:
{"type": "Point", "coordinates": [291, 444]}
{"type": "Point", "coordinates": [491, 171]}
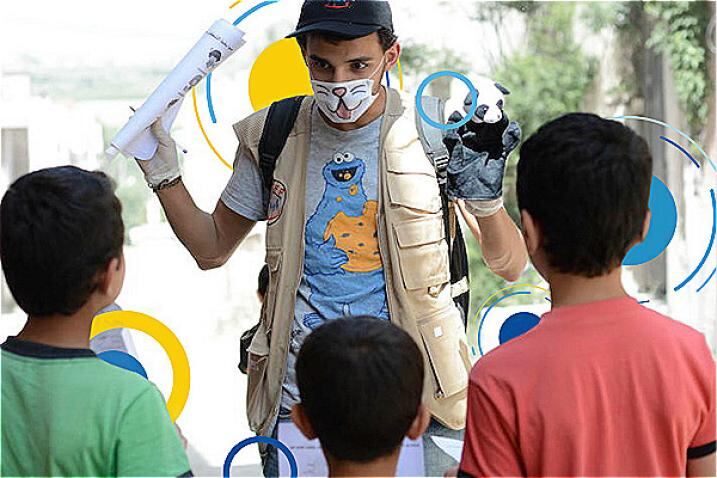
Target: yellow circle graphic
{"type": "Point", "coordinates": [166, 338]}
{"type": "Point", "coordinates": [279, 72]}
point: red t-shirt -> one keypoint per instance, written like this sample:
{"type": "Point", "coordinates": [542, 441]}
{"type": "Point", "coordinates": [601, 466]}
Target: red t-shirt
{"type": "Point", "coordinates": [607, 388]}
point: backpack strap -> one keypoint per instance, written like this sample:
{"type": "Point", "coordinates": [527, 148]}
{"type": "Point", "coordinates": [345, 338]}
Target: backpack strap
{"type": "Point", "coordinates": [437, 152]}
{"type": "Point", "coordinates": [278, 124]}
{"type": "Point", "coordinates": [432, 138]}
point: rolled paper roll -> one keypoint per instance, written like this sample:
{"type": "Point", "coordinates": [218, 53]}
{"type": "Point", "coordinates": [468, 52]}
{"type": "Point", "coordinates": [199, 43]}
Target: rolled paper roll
{"type": "Point", "coordinates": [217, 44]}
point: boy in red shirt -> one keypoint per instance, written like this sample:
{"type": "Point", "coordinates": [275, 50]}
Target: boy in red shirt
{"type": "Point", "coordinates": [602, 386]}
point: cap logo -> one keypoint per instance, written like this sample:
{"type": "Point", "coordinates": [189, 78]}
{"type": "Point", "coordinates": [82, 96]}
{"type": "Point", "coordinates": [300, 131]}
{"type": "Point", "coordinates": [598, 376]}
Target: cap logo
{"type": "Point", "coordinates": [338, 4]}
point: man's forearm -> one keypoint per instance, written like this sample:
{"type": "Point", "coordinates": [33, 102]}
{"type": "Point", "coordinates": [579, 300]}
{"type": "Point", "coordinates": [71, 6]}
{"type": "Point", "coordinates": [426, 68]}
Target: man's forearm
{"type": "Point", "coordinates": [193, 227]}
{"type": "Point", "coordinates": [502, 245]}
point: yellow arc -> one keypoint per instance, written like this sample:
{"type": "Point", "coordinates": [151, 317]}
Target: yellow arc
{"type": "Point", "coordinates": [204, 133]}
{"type": "Point", "coordinates": [166, 338]}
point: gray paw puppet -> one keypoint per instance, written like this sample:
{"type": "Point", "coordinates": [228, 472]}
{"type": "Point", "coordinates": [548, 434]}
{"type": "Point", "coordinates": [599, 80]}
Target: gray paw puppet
{"type": "Point", "coordinates": [480, 148]}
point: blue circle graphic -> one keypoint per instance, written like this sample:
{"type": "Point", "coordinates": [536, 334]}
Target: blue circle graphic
{"type": "Point", "coordinates": [294, 469]}
{"type": "Point", "coordinates": [123, 360]}
{"type": "Point", "coordinates": [458, 76]}
{"type": "Point", "coordinates": [516, 325]}
{"type": "Point", "coordinates": [663, 224]}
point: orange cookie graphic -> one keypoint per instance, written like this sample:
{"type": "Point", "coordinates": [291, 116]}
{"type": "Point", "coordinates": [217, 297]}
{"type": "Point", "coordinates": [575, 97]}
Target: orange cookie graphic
{"type": "Point", "coordinates": [356, 236]}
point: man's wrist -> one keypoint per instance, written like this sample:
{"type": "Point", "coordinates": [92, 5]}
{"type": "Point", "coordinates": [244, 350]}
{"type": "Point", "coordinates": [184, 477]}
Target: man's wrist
{"type": "Point", "coordinates": [165, 184]}
{"type": "Point", "coordinates": [484, 208]}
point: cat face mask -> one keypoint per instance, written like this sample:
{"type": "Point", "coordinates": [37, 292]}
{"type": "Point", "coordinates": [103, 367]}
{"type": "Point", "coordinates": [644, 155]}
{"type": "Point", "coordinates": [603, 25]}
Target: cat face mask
{"type": "Point", "coordinates": [345, 101]}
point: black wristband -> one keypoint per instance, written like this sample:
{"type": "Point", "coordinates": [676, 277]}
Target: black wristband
{"type": "Point", "coordinates": [166, 184]}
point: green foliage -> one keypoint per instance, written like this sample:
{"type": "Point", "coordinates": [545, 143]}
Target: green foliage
{"type": "Point", "coordinates": [599, 15]}
{"type": "Point", "coordinates": [421, 59]}
{"type": "Point", "coordinates": [676, 29]}
{"type": "Point", "coordinates": [679, 33]}
{"type": "Point", "coordinates": [132, 190]}
{"type": "Point", "coordinates": [551, 76]}
{"type": "Point", "coordinates": [492, 11]}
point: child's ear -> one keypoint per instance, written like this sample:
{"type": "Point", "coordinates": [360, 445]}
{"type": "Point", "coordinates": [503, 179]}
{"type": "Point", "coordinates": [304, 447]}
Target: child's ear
{"type": "Point", "coordinates": [112, 278]}
{"type": "Point", "coordinates": [646, 225]}
{"type": "Point", "coordinates": [298, 416]}
{"type": "Point", "coordinates": [531, 232]}
{"type": "Point", "coordinates": [420, 423]}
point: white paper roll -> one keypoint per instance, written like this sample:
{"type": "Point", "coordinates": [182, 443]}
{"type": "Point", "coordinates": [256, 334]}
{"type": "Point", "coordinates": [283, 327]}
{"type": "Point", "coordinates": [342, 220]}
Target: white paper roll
{"type": "Point", "coordinates": [217, 44]}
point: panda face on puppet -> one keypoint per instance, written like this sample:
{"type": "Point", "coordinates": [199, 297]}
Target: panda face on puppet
{"type": "Point", "coordinates": [491, 101]}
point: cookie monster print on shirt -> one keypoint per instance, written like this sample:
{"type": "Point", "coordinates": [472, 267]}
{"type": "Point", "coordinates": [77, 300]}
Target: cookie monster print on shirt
{"type": "Point", "coordinates": [343, 274]}
{"type": "Point", "coordinates": [342, 263]}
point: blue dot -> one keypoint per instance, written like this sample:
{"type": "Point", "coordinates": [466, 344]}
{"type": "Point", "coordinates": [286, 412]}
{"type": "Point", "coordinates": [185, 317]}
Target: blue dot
{"type": "Point", "coordinates": [663, 224]}
{"type": "Point", "coordinates": [123, 360]}
{"type": "Point", "coordinates": [516, 325]}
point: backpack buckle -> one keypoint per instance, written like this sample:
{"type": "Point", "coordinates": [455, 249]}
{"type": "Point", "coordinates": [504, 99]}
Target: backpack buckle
{"type": "Point", "coordinates": [440, 163]}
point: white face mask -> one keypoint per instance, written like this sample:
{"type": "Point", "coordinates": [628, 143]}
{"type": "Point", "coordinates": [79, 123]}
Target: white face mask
{"type": "Point", "coordinates": [345, 101]}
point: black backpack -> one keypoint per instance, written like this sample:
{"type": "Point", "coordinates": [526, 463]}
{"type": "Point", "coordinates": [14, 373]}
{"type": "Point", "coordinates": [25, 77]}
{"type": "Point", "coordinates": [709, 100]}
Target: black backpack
{"type": "Point", "coordinates": [280, 120]}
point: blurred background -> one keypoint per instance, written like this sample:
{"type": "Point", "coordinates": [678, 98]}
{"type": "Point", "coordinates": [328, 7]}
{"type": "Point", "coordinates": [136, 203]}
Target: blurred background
{"type": "Point", "coordinates": [69, 71]}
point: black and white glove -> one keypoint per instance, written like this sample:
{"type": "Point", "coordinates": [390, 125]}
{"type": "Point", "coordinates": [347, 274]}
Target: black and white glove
{"type": "Point", "coordinates": [478, 155]}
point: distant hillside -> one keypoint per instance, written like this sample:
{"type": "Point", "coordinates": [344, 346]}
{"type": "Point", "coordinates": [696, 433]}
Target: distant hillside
{"type": "Point", "coordinates": [89, 83]}
{"type": "Point", "coordinates": [93, 84]}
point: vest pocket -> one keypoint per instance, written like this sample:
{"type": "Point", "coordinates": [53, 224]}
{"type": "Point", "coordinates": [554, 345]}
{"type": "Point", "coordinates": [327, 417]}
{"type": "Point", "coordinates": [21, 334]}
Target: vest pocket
{"type": "Point", "coordinates": [273, 260]}
{"type": "Point", "coordinates": [257, 399]}
{"type": "Point", "coordinates": [423, 252]}
{"type": "Point", "coordinates": [414, 191]}
{"type": "Point", "coordinates": [444, 341]}
{"type": "Point", "coordinates": [258, 360]}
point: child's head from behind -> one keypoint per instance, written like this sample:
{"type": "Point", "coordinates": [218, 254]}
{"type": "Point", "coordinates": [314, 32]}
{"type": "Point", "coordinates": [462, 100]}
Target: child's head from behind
{"type": "Point", "coordinates": [360, 381]}
{"type": "Point", "coordinates": [583, 188]}
{"type": "Point", "coordinates": [262, 283]}
{"type": "Point", "coordinates": [61, 235]}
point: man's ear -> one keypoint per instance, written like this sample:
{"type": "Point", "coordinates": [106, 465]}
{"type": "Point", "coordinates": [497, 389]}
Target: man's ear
{"type": "Point", "coordinates": [298, 416]}
{"type": "Point", "coordinates": [420, 423]}
{"type": "Point", "coordinates": [531, 232]}
{"type": "Point", "coordinates": [646, 225]}
{"type": "Point", "coordinates": [392, 55]}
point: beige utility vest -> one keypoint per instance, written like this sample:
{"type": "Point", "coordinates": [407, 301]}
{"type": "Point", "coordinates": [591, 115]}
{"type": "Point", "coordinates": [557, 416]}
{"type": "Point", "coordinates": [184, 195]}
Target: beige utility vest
{"type": "Point", "coordinates": [413, 249]}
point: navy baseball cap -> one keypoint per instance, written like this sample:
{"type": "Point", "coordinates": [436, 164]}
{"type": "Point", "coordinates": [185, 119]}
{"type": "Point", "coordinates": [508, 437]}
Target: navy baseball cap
{"type": "Point", "coordinates": [344, 18]}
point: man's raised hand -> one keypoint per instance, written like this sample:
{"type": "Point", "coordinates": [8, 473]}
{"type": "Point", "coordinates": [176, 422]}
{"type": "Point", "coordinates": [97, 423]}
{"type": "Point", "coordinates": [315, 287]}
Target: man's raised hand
{"type": "Point", "coordinates": [163, 167]}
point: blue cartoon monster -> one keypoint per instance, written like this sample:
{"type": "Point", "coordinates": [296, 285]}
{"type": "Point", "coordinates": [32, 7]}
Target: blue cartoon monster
{"type": "Point", "coordinates": [342, 265]}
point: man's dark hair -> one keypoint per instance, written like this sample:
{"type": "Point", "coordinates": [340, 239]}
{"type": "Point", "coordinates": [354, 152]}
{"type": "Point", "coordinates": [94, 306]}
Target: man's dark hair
{"type": "Point", "coordinates": [59, 227]}
{"type": "Point", "coordinates": [385, 36]}
{"type": "Point", "coordinates": [586, 182]}
{"type": "Point", "coordinates": [362, 404]}
{"type": "Point", "coordinates": [263, 281]}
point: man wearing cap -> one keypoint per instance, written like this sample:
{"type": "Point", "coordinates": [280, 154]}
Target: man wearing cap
{"type": "Point", "coordinates": [354, 221]}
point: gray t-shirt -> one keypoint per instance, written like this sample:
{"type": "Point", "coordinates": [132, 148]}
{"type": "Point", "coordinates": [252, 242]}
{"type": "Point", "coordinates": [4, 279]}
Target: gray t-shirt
{"type": "Point", "coordinates": [343, 271]}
